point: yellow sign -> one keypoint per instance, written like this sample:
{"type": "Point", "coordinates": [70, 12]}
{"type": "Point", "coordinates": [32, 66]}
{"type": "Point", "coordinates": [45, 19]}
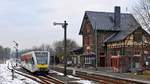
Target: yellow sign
{"type": "Point", "coordinates": [42, 66]}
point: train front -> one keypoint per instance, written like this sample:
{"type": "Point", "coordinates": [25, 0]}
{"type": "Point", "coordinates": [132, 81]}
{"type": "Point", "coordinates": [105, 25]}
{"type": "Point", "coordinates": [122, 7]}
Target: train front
{"type": "Point", "coordinates": [42, 59]}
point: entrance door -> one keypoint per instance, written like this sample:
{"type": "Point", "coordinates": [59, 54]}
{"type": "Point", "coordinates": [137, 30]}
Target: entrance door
{"type": "Point", "coordinates": [102, 61]}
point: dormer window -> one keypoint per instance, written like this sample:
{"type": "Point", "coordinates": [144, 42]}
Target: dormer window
{"type": "Point", "coordinates": [138, 37]}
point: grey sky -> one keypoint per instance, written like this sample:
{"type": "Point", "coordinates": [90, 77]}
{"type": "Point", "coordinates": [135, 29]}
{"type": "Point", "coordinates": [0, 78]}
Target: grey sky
{"type": "Point", "coordinates": [30, 22]}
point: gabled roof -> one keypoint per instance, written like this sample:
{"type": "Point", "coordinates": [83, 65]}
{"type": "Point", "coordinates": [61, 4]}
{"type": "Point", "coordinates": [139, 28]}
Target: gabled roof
{"type": "Point", "coordinates": [77, 50]}
{"type": "Point", "coordinates": [104, 21]}
{"type": "Point", "coordinates": [121, 35]}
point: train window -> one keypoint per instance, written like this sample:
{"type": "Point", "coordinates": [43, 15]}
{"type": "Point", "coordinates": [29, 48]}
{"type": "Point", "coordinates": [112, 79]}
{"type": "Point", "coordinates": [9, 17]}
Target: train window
{"type": "Point", "coordinates": [42, 57]}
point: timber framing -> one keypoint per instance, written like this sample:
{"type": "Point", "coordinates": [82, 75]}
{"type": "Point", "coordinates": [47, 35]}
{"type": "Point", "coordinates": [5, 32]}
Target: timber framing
{"type": "Point", "coordinates": [115, 45]}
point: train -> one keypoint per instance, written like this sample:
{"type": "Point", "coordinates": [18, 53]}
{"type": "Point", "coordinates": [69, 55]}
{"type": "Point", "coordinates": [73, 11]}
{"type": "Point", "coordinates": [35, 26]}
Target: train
{"type": "Point", "coordinates": [36, 61]}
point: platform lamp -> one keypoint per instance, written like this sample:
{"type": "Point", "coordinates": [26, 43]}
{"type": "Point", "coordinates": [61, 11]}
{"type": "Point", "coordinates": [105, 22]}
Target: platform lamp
{"type": "Point", "coordinates": [64, 26]}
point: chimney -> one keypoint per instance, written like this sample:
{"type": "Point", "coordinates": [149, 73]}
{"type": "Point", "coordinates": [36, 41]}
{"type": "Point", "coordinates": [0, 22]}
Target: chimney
{"type": "Point", "coordinates": [117, 16]}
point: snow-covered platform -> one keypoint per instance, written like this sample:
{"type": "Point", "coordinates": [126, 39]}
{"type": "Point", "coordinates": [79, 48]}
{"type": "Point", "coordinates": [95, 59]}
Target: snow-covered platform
{"type": "Point", "coordinates": [121, 76]}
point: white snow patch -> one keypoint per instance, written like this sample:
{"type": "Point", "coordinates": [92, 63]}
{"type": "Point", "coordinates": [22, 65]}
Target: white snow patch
{"type": "Point", "coordinates": [84, 82]}
{"type": "Point", "coordinates": [58, 73]}
{"type": "Point", "coordinates": [78, 79]}
{"type": "Point", "coordinates": [70, 76]}
{"type": "Point", "coordinates": [6, 76]}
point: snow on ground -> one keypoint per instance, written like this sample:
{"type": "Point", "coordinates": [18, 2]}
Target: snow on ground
{"type": "Point", "coordinates": [58, 73]}
{"type": "Point", "coordinates": [6, 76]}
{"type": "Point", "coordinates": [70, 76]}
{"type": "Point", "coordinates": [84, 82]}
{"type": "Point", "coordinates": [79, 80]}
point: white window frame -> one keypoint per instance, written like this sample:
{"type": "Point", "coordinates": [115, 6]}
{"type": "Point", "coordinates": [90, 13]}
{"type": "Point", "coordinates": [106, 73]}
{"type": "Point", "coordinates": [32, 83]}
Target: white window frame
{"type": "Point", "coordinates": [88, 60]}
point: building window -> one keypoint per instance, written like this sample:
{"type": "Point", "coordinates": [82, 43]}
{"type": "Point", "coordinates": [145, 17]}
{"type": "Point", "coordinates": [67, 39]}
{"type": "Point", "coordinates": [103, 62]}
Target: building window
{"type": "Point", "coordinates": [86, 40]}
{"type": "Point", "coordinates": [137, 36]}
{"type": "Point", "coordinates": [118, 52]}
{"type": "Point", "coordinates": [137, 52]}
{"type": "Point", "coordinates": [90, 39]}
{"type": "Point", "coordinates": [129, 51]}
{"type": "Point", "coordinates": [122, 51]}
{"type": "Point", "coordinates": [89, 60]}
{"type": "Point", "coordinates": [114, 52]}
{"type": "Point", "coordinates": [88, 27]}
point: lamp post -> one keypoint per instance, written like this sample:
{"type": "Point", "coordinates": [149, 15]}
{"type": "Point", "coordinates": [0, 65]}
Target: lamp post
{"type": "Point", "coordinates": [96, 47]}
{"type": "Point", "coordinates": [16, 47]}
{"type": "Point", "coordinates": [64, 26]}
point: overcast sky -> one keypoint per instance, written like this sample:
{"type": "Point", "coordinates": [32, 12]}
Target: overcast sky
{"type": "Point", "coordinates": [30, 22]}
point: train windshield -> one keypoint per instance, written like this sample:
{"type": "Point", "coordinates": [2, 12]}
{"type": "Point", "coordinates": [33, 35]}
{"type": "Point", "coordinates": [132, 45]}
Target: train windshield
{"type": "Point", "coordinates": [42, 57]}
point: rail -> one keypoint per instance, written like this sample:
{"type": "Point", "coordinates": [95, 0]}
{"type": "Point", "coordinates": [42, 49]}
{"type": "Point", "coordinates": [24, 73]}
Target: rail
{"type": "Point", "coordinates": [104, 78]}
{"type": "Point", "coordinates": [47, 79]}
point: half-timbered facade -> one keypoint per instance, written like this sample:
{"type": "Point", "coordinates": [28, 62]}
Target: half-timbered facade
{"type": "Point", "coordinates": [117, 39]}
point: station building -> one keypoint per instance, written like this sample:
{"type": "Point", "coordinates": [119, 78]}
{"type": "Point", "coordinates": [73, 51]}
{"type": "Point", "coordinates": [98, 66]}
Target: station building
{"type": "Point", "coordinates": [116, 40]}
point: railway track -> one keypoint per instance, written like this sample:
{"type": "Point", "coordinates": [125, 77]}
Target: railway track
{"type": "Point", "coordinates": [87, 76]}
{"type": "Point", "coordinates": [95, 78]}
{"type": "Point", "coordinates": [45, 79]}
{"type": "Point", "coordinates": [55, 80]}
{"type": "Point", "coordinates": [109, 80]}
{"type": "Point", "coordinates": [48, 79]}
{"type": "Point", "coordinates": [98, 79]}
{"type": "Point", "coordinates": [103, 79]}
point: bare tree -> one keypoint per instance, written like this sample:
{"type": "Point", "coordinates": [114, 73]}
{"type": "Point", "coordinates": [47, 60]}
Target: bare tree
{"type": "Point", "coordinates": [7, 52]}
{"type": "Point", "coordinates": [142, 13]}
{"type": "Point", "coordinates": [4, 53]}
{"type": "Point", "coordinates": [43, 47]}
{"type": "Point", "coordinates": [46, 47]}
{"type": "Point", "coordinates": [59, 47]}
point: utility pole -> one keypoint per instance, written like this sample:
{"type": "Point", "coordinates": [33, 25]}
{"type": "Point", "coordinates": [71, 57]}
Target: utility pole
{"type": "Point", "coordinates": [16, 47]}
{"type": "Point", "coordinates": [96, 52]}
{"type": "Point", "coordinates": [64, 26]}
